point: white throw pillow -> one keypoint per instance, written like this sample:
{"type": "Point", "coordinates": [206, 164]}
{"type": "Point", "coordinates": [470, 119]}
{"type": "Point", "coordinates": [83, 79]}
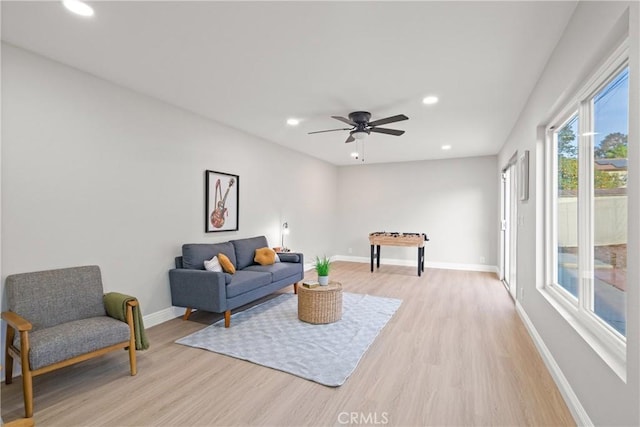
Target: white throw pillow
{"type": "Point", "coordinates": [213, 265]}
{"type": "Point", "coordinates": [277, 258]}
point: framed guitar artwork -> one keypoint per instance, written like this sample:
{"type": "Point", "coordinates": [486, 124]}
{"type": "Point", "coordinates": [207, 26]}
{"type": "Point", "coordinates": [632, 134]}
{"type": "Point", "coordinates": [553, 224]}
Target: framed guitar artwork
{"type": "Point", "coordinates": [222, 201]}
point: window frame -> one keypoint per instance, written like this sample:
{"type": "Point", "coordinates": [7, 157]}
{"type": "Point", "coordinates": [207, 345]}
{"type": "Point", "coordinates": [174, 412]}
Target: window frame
{"type": "Point", "coordinates": [606, 341]}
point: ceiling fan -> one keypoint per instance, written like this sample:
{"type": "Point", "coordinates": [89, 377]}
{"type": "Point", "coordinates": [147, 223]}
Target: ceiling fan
{"type": "Point", "coordinates": [361, 126]}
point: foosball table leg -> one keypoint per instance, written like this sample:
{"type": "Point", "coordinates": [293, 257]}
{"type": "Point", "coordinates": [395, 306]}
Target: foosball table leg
{"type": "Point", "coordinates": [372, 255]}
{"type": "Point", "coordinates": [375, 253]}
{"type": "Point", "coordinates": [420, 260]}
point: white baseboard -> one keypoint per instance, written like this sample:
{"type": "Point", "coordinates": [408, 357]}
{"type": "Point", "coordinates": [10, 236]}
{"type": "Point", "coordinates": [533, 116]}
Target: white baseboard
{"type": "Point", "coordinates": [427, 264]}
{"type": "Point", "coordinates": [580, 416]}
{"type": "Point", "coordinates": [162, 316]}
{"type": "Point", "coordinates": [466, 267]}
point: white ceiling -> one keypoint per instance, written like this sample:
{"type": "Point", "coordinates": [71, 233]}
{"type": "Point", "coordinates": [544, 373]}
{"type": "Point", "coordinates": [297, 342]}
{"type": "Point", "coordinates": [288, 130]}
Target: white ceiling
{"type": "Point", "coordinates": [252, 65]}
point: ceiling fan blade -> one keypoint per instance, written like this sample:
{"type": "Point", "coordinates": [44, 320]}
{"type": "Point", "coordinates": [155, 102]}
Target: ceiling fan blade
{"type": "Point", "coordinates": [345, 120]}
{"type": "Point", "coordinates": [330, 130]}
{"type": "Point", "coordinates": [395, 132]}
{"type": "Point", "coordinates": [350, 139]}
{"type": "Point", "coordinates": [391, 119]}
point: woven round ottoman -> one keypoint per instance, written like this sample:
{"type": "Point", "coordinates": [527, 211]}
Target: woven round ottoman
{"type": "Point", "coordinates": [322, 304]}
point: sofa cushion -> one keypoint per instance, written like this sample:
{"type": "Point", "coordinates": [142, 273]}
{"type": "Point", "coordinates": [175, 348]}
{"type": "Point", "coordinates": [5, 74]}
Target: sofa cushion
{"type": "Point", "coordinates": [245, 250]}
{"type": "Point", "coordinates": [278, 271]}
{"type": "Point", "coordinates": [64, 295]}
{"type": "Point", "coordinates": [265, 256]}
{"type": "Point", "coordinates": [213, 265]}
{"type": "Point", "coordinates": [195, 254]}
{"type": "Point", "coordinates": [246, 281]}
{"type": "Point", "coordinates": [67, 340]}
{"type": "Point", "coordinates": [226, 264]}
{"type": "Point", "coordinates": [289, 257]}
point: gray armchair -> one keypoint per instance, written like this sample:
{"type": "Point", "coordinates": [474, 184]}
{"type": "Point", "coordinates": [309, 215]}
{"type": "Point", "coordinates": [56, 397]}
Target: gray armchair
{"type": "Point", "coordinates": [57, 318]}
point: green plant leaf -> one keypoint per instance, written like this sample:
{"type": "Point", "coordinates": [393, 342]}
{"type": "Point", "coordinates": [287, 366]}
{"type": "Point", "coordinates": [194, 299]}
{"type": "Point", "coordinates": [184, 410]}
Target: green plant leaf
{"type": "Point", "coordinates": [322, 265]}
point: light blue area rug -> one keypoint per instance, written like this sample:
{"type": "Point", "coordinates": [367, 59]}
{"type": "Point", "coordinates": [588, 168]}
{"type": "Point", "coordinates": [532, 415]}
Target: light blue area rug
{"type": "Point", "coordinates": [270, 334]}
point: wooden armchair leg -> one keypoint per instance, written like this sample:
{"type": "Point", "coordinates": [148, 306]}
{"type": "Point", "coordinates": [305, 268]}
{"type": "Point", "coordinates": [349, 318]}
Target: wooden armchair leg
{"type": "Point", "coordinates": [8, 358]}
{"type": "Point", "coordinates": [8, 372]}
{"type": "Point", "coordinates": [132, 359]}
{"type": "Point", "coordinates": [27, 380]}
{"type": "Point", "coordinates": [27, 386]}
{"type": "Point", "coordinates": [227, 318]}
{"type": "Point", "coordinates": [187, 313]}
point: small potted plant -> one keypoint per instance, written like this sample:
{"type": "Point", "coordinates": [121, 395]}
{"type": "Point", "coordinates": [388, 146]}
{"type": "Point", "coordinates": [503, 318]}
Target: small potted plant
{"type": "Point", "coordinates": [322, 266]}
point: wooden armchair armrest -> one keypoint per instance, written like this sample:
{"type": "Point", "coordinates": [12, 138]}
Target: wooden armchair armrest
{"type": "Point", "coordinates": [133, 303]}
{"type": "Point", "coordinates": [16, 321]}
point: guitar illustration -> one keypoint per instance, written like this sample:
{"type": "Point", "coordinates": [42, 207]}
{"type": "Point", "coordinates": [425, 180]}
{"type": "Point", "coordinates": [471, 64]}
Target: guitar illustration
{"type": "Point", "coordinates": [219, 213]}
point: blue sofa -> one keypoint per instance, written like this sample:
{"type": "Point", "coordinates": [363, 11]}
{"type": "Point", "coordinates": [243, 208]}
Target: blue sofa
{"type": "Point", "coordinates": [193, 287]}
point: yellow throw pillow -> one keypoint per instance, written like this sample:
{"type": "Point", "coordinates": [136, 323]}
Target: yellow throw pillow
{"type": "Point", "coordinates": [265, 256]}
{"type": "Point", "coordinates": [225, 262]}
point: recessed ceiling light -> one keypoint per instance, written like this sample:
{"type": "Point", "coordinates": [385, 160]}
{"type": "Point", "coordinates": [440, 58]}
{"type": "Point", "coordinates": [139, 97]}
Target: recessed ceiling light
{"type": "Point", "coordinates": [446, 147]}
{"type": "Point", "coordinates": [293, 122]}
{"type": "Point", "coordinates": [78, 7]}
{"type": "Point", "coordinates": [354, 154]}
{"type": "Point", "coordinates": [429, 100]}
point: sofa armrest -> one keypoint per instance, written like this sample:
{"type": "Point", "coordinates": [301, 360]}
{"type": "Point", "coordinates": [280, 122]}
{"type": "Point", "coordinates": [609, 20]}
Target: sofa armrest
{"type": "Point", "coordinates": [200, 289]}
{"type": "Point", "coordinates": [16, 321]}
{"type": "Point", "coordinates": [295, 257]}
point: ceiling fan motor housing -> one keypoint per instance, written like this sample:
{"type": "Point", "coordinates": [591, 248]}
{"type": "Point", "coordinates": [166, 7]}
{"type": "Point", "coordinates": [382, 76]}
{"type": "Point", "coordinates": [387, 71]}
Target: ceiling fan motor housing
{"type": "Point", "coordinates": [360, 117]}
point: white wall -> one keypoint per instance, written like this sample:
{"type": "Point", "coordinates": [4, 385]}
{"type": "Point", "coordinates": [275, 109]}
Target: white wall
{"type": "Point", "coordinates": [93, 173]}
{"type": "Point", "coordinates": [594, 30]}
{"type": "Point", "coordinates": [455, 202]}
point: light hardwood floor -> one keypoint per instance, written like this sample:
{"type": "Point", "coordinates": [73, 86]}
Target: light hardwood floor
{"type": "Point", "coordinates": [455, 353]}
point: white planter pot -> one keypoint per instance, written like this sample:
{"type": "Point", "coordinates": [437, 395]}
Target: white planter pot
{"type": "Point", "coordinates": [323, 280]}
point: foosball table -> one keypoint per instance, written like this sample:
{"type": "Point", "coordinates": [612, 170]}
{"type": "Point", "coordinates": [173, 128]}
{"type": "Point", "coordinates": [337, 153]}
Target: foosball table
{"type": "Point", "coordinates": [383, 238]}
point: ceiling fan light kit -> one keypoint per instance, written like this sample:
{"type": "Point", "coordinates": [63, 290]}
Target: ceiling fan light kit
{"type": "Point", "coordinates": [359, 134]}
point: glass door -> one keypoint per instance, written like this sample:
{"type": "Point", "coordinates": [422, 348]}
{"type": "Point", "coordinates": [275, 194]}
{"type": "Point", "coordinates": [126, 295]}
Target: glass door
{"type": "Point", "coordinates": [508, 226]}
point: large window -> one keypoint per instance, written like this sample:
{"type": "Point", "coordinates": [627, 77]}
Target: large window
{"type": "Point", "coordinates": [587, 202]}
{"type": "Point", "coordinates": [566, 147]}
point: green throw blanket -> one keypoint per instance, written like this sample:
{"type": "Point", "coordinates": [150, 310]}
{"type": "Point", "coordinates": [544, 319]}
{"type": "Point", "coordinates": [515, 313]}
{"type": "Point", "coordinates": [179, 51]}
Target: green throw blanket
{"type": "Point", "coordinates": [116, 305]}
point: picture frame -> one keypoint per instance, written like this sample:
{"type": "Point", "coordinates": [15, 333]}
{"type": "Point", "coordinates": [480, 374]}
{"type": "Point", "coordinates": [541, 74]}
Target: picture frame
{"type": "Point", "coordinates": [222, 197]}
{"type": "Point", "coordinates": [523, 176]}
